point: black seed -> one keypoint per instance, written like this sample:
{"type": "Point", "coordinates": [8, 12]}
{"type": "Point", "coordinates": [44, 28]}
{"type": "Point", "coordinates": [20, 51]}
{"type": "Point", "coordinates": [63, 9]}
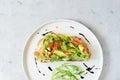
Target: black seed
{"type": "Point", "coordinates": [82, 77]}
{"type": "Point", "coordinates": [50, 68]}
{"type": "Point", "coordinates": [92, 72]}
{"type": "Point", "coordinates": [43, 74]}
{"type": "Point", "coordinates": [39, 71]}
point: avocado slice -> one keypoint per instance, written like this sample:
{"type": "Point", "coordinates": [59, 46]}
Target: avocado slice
{"type": "Point", "coordinates": [59, 53]}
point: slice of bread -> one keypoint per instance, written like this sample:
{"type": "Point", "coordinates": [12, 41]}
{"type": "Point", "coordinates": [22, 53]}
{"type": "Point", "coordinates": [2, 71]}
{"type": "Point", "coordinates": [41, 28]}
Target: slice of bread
{"type": "Point", "coordinates": [58, 47]}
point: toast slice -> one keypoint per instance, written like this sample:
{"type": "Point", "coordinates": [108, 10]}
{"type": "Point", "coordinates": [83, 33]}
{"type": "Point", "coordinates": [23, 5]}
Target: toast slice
{"type": "Point", "coordinates": [58, 47]}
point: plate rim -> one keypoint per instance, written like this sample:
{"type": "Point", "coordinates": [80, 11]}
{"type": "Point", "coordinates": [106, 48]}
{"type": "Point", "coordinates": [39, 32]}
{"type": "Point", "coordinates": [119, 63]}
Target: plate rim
{"type": "Point", "coordinates": [49, 22]}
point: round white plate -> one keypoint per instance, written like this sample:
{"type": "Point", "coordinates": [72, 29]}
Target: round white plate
{"type": "Point", "coordinates": [66, 27]}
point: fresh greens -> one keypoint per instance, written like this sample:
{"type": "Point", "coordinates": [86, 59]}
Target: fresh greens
{"type": "Point", "coordinates": [67, 72]}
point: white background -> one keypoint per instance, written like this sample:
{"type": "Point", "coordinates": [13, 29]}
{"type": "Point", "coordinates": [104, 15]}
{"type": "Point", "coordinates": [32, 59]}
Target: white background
{"type": "Point", "coordinates": [18, 19]}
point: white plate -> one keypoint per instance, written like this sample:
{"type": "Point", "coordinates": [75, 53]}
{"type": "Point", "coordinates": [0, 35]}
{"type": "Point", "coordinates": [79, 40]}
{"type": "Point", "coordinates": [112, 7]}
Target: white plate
{"type": "Point", "coordinates": [66, 27]}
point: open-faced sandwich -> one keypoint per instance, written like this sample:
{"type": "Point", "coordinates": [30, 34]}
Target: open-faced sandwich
{"type": "Point", "coordinates": [59, 47]}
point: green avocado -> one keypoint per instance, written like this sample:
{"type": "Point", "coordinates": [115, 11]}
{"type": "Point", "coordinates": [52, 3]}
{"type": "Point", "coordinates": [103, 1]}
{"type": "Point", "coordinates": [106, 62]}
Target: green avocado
{"type": "Point", "coordinates": [59, 53]}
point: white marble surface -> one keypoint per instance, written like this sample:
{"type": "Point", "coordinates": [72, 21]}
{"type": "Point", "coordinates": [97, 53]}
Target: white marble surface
{"type": "Point", "coordinates": [18, 19]}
